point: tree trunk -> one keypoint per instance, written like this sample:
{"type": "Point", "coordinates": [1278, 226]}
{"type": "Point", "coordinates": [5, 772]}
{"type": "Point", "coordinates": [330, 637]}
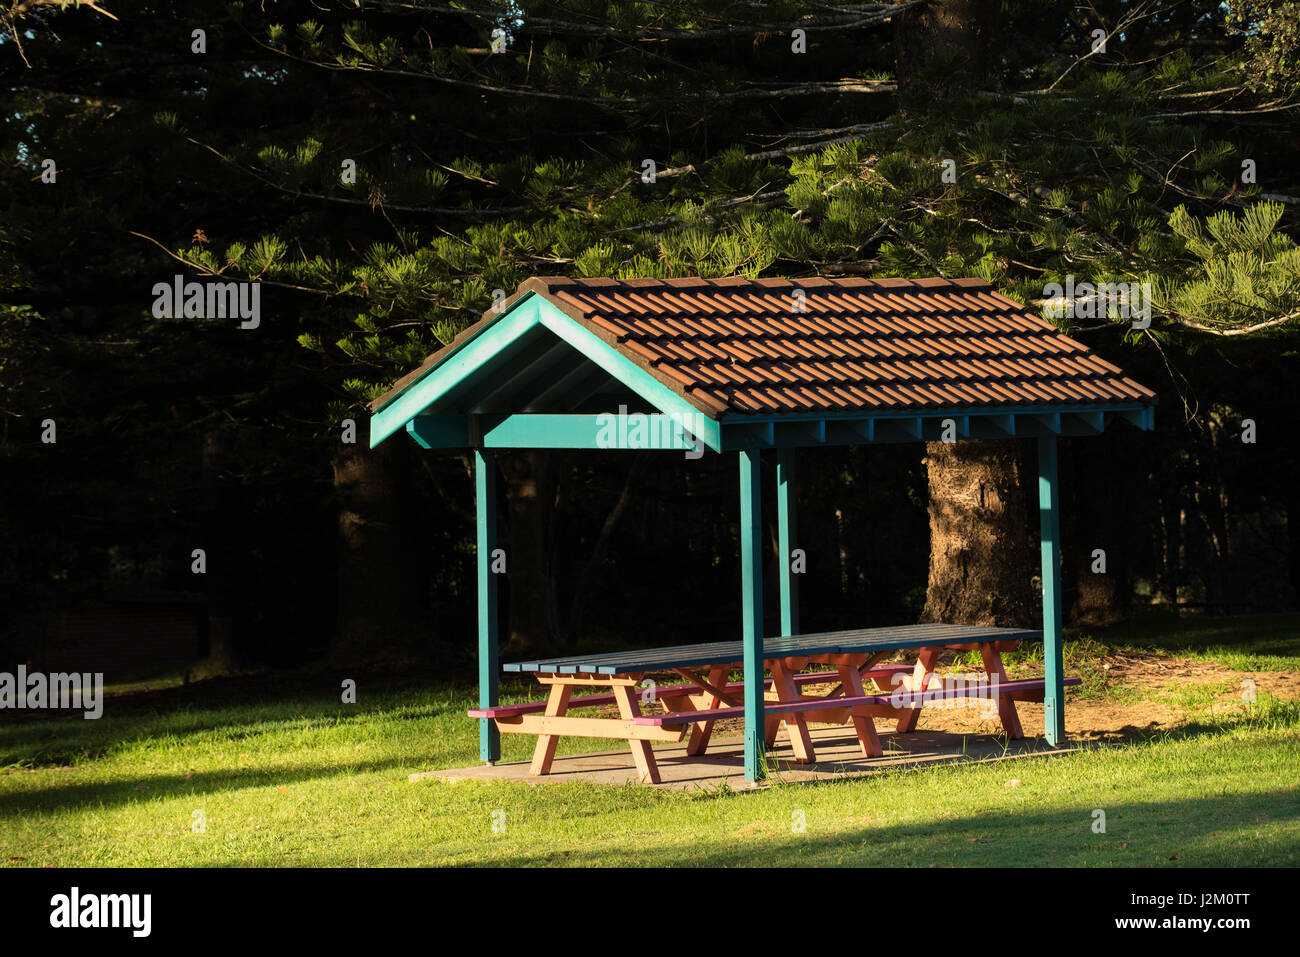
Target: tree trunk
{"type": "Point", "coordinates": [979, 549]}
{"type": "Point", "coordinates": [940, 46]}
{"type": "Point", "coordinates": [980, 569]}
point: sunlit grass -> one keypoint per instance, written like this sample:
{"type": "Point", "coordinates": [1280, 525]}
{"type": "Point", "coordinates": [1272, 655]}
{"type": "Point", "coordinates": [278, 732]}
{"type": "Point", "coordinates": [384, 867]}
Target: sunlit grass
{"type": "Point", "coordinates": [1249, 643]}
{"type": "Point", "coordinates": [309, 781]}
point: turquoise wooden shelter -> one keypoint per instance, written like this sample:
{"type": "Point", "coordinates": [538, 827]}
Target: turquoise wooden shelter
{"type": "Point", "coordinates": [740, 366]}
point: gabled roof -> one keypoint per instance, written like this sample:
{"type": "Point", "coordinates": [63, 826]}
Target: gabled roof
{"type": "Point", "coordinates": [745, 347]}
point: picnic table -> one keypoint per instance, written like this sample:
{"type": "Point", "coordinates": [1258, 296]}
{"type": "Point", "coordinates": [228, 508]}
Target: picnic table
{"type": "Point", "coordinates": [863, 688]}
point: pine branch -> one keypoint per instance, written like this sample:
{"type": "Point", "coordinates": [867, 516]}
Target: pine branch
{"type": "Point", "coordinates": [371, 201]}
{"type": "Point", "coordinates": [846, 85]}
{"type": "Point", "coordinates": [203, 270]}
{"type": "Point", "coordinates": [1273, 107]}
{"type": "Point", "coordinates": [22, 8]}
{"type": "Point", "coordinates": [857, 17]}
{"type": "Point", "coordinates": [862, 131]}
{"type": "Point", "coordinates": [854, 128]}
{"type": "Point", "coordinates": [1042, 192]}
{"type": "Point", "coordinates": [1197, 94]}
{"type": "Point", "coordinates": [856, 268]}
{"type": "Point", "coordinates": [771, 198]}
{"type": "Point", "coordinates": [898, 234]}
{"type": "Point", "coordinates": [1140, 12]}
{"type": "Point", "coordinates": [1221, 330]}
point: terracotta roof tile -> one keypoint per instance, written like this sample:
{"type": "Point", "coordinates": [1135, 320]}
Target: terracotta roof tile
{"type": "Point", "coordinates": [652, 355]}
{"type": "Point", "coordinates": [738, 345]}
{"type": "Point", "coordinates": [613, 325]}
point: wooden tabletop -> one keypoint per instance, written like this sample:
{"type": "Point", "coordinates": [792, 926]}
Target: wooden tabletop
{"type": "Point", "coordinates": [856, 641]}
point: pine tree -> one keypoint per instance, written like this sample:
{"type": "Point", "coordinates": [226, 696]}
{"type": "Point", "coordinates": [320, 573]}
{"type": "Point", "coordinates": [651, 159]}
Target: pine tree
{"type": "Point", "coordinates": [383, 170]}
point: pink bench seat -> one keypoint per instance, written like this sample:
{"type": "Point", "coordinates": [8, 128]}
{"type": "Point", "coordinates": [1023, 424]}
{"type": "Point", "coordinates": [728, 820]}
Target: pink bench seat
{"type": "Point", "coordinates": [1023, 690]}
{"type": "Point", "coordinates": [674, 691]}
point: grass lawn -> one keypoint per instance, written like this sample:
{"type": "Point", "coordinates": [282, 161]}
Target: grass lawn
{"type": "Point", "coordinates": [215, 776]}
{"type": "Point", "coordinates": [1242, 642]}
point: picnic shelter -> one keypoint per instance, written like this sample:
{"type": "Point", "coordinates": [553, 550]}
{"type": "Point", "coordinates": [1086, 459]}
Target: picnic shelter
{"type": "Point", "coordinates": [741, 366]}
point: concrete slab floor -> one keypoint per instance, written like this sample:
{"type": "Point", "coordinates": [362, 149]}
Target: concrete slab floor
{"type": "Point", "coordinates": [837, 751]}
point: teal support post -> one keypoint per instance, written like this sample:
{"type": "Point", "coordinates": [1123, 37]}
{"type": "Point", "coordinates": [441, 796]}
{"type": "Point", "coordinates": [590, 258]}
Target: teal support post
{"type": "Point", "coordinates": [1049, 526]}
{"type": "Point", "coordinates": [787, 533]}
{"type": "Point", "coordinates": [485, 500]}
{"type": "Point", "coordinates": [751, 610]}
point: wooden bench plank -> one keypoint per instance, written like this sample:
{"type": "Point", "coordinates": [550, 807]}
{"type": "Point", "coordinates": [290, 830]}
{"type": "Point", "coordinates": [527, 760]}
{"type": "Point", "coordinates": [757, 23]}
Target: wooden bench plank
{"type": "Point", "coordinates": [566, 726]}
{"type": "Point", "coordinates": [668, 691]}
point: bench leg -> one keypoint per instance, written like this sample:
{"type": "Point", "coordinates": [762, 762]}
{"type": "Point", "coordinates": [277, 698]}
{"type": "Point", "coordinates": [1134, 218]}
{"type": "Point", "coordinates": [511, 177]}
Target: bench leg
{"type": "Point", "coordinates": [795, 725]}
{"type": "Point", "coordinates": [544, 753]}
{"type": "Point", "coordinates": [770, 727]}
{"type": "Point", "coordinates": [1006, 706]}
{"type": "Point", "coordinates": [862, 723]}
{"type": "Point", "coordinates": [870, 662]}
{"type": "Point", "coordinates": [642, 753]}
{"type": "Point", "coordinates": [925, 662]}
{"type": "Point", "coordinates": [698, 742]}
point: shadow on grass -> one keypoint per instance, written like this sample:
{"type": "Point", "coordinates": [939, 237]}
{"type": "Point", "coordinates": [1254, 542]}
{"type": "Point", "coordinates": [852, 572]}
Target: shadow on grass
{"type": "Point", "coordinates": [55, 745]}
{"type": "Point", "coordinates": [1276, 633]}
{"type": "Point", "coordinates": [1269, 714]}
{"type": "Point", "coordinates": [234, 708]}
{"type": "Point", "coordinates": [1157, 833]}
{"type": "Point", "coordinates": [52, 742]}
{"type": "Point", "coordinates": [165, 786]}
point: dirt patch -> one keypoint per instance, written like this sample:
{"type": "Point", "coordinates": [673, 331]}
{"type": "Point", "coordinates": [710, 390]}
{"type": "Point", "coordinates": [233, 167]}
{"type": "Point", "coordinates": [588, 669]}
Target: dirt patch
{"type": "Point", "coordinates": [1086, 720]}
{"type": "Point", "coordinates": [1163, 673]}
{"type": "Point", "coordinates": [1168, 692]}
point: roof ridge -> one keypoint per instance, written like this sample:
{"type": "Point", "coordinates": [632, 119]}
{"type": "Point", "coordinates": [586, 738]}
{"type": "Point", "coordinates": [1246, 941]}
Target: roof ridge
{"type": "Point", "coordinates": [545, 283]}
